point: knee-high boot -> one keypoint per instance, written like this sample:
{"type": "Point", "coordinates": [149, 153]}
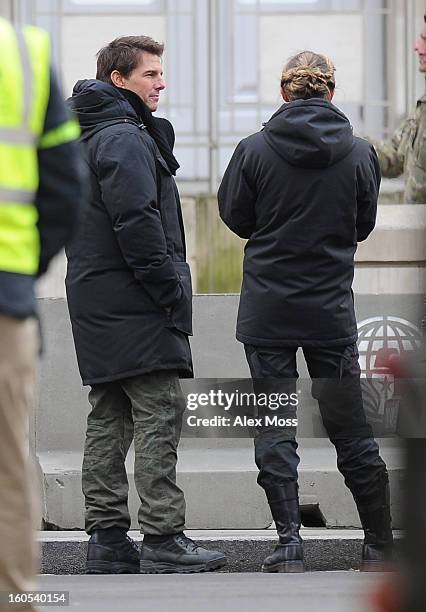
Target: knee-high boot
{"type": "Point", "coordinates": [283, 500]}
{"type": "Point", "coordinates": [374, 513]}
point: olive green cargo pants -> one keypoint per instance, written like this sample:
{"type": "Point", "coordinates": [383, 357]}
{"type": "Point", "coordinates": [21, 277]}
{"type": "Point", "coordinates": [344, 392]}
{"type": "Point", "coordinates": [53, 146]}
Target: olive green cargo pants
{"type": "Point", "coordinates": [147, 408]}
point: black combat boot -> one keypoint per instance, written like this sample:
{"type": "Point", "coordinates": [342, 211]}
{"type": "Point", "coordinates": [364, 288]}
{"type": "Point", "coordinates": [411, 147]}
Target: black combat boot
{"type": "Point", "coordinates": [111, 551]}
{"type": "Point", "coordinates": [376, 522]}
{"type": "Point", "coordinates": [288, 554]}
{"type": "Point", "coordinates": [178, 554]}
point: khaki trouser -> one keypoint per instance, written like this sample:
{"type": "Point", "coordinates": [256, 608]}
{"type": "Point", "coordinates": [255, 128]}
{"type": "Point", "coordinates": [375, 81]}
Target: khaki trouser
{"type": "Point", "coordinates": [18, 499]}
{"type": "Point", "coordinates": [147, 408]}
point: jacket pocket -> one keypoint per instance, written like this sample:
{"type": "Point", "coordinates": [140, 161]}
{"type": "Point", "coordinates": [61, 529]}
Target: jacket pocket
{"type": "Point", "coordinates": [180, 316]}
{"type": "Point", "coordinates": [349, 365]}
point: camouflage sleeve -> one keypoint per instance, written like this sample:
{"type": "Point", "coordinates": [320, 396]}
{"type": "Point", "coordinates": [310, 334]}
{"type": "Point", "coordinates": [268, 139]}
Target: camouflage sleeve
{"type": "Point", "coordinates": [392, 153]}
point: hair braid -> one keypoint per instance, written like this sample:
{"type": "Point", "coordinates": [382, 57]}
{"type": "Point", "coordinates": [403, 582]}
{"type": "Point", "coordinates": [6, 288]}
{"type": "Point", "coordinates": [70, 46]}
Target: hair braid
{"type": "Point", "coordinates": [308, 75]}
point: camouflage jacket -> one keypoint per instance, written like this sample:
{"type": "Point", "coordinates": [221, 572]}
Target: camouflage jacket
{"type": "Point", "coordinates": [406, 153]}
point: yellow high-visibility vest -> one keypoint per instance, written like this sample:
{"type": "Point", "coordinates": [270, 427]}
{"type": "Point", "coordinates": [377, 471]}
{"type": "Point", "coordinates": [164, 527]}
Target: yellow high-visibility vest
{"type": "Point", "coordinates": [24, 95]}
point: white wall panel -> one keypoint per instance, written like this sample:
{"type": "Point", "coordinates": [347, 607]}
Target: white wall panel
{"type": "Point", "coordinates": [339, 36]}
{"type": "Point", "coordinates": [82, 37]}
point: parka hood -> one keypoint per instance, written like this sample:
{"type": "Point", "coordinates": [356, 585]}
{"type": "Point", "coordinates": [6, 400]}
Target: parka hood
{"type": "Point", "coordinates": [97, 105]}
{"type": "Point", "coordinates": [309, 133]}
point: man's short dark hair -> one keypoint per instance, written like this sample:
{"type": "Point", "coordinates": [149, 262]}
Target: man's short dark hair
{"type": "Point", "coordinates": [123, 54]}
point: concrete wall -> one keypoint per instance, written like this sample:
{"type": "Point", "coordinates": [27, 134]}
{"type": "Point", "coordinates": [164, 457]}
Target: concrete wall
{"type": "Point", "coordinates": [208, 469]}
{"type": "Point", "coordinates": [215, 254]}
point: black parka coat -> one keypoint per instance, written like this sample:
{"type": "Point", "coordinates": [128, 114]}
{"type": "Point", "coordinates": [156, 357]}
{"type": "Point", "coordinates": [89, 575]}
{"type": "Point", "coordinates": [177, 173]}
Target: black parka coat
{"type": "Point", "coordinates": [128, 285]}
{"type": "Point", "coordinates": [304, 192]}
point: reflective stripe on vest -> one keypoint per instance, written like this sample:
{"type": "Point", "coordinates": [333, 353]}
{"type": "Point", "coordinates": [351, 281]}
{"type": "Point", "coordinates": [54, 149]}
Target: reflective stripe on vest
{"type": "Point", "coordinates": [66, 132]}
{"type": "Point", "coordinates": [24, 93]}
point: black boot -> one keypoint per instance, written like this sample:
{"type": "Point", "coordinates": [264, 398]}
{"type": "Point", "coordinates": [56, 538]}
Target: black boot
{"type": "Point", "coordinates": [111, 551]}
{"type": "Point", "coordinates": [178, 554]}
{"type": "Point", "coordinates": [376, 522]}
{"type": "Point", "coordinates": [288, 554]}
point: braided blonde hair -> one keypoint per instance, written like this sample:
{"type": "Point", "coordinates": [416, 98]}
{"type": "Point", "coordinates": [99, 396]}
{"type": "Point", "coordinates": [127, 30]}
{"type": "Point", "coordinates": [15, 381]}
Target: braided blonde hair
{"type": "Point", "coordinates": [308, 75]}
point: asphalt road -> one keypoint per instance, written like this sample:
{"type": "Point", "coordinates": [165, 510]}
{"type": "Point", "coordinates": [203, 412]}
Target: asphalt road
{"type": "Point", "coordinates": [310, 592]}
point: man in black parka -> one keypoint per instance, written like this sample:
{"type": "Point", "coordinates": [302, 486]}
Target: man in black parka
{"type": "Point", "coordinates": [303, 191]}
{"type": "Point", "coordinates": [129, 298]}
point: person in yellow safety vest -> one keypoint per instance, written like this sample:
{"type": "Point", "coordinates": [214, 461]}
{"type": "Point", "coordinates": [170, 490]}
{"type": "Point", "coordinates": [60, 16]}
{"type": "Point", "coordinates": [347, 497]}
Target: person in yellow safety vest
{"type": "Point", "coordinates": [40, 196]}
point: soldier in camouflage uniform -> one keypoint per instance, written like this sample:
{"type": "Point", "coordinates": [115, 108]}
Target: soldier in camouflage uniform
{"type": "Point", "coordinates": [406, 151]}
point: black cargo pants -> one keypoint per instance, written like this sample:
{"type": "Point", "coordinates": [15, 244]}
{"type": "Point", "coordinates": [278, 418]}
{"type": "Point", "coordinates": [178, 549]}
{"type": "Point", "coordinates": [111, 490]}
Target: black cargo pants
{"type": "Point", "coordinates": [335, 375]}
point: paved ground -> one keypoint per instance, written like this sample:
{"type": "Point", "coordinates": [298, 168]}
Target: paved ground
{"type": "Point", "coordinates": [64, 552]}
{"type": "Point", "coordinates": [316, 592]}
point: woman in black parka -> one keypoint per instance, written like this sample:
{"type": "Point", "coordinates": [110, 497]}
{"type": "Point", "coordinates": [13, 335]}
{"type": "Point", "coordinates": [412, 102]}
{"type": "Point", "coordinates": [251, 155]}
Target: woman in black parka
{"type": "Point", "coordinates": [303, 191]}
